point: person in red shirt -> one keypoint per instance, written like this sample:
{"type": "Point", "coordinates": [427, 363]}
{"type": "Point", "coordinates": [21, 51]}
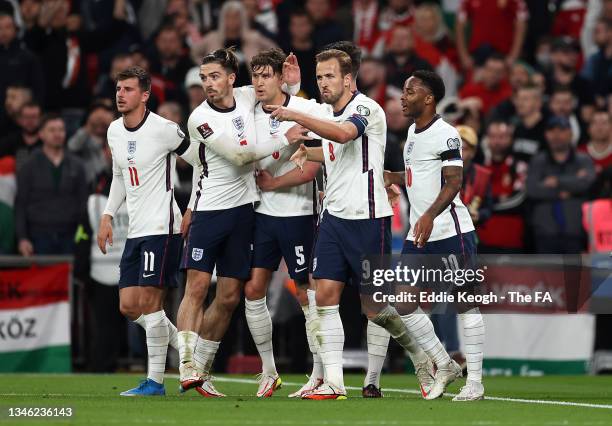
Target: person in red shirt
{"type": "Point", "coordinates": [599, 146]}
{"type": "Point", "coordinates": [503, 232]}
{"type": "Point", "coordinates": [493, 87]}
{"type": "Point", "coordinates": [500, 25]}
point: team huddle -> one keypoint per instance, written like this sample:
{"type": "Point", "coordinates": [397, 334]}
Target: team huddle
{"type": "Point", "coordinates": [256, 152]}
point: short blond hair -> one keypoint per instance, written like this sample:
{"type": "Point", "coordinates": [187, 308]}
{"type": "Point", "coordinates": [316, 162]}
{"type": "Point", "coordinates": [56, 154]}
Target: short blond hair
{"type": "Point", "coordinates": [343, 59]}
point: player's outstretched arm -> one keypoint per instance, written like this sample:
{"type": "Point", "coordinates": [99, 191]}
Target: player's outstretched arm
{"type": "Point", "coordinates": [295, 177]}
{"type": "Point", "coordinates": [338, 132]}
{"type": "Point", "coordinates": [453, 177]}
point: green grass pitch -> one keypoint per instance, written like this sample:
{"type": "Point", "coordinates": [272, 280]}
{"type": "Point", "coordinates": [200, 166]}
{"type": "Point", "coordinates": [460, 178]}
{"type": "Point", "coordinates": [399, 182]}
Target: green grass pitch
{"type": "Point", "coordinates": [551, 401]}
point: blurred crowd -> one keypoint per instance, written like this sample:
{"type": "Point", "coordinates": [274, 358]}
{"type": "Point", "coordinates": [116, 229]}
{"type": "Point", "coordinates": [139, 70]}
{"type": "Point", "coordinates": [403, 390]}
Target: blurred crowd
{"type": "Point", "coordinates": [532, 79]}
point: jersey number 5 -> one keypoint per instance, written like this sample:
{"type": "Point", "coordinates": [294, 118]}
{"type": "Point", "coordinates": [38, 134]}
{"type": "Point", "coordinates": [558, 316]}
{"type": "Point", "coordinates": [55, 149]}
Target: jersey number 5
{"type": "Point", "coordinates": [134, 176]}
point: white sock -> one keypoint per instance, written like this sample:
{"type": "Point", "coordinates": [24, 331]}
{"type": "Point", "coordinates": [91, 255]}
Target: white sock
{"type": "Point", "coordinates": [313, 323]}
{"type": "Point", "coordinates": [331, 344]}
{"type": "Point", "coordinates": [420, 327]}
{"type": "Point", "coordinates": [205, 352]}
{"type": "Point", "coordinates": [260, 326]}
{"type": "Point", "coordinates": [141, 322]}
{"type": "Point", "coordinates": [157, 344]}
{"type": "Point", "coordinates": [389, 319]}
{"type": "Point", "coordinates": [172, 333]}
{"type": "Point", "coordinates": [186, 345]}
{"type": "Point", "coordinates": [317, 365]}
{"type": "Point", "coordinates": [474, 336]}
{"type": "Point", "coordinates": [378, 342]}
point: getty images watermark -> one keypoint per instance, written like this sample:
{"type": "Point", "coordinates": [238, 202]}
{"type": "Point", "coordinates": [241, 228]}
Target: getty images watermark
{"type": "Point", "coordinates": [500, 283]}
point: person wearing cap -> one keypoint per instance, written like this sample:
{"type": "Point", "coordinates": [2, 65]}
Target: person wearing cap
{"type": "Point", "coordinates": [565, 59]}
{"type": "Point", "coordinates": [558, 182]}
{"type": "Point", "coordinates": [476, 187]}
{"type": "Point", "coordinates": [194, 89]}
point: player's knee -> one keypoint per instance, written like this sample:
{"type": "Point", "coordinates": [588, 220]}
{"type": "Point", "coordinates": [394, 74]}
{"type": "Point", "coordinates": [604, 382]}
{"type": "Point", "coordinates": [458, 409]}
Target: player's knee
{"type": "Point", "coordinates": [253, 291]}
{"type": "Point", "coordinates": [229, 301]}
{"type": "Point", "coordinates": [129, 309]}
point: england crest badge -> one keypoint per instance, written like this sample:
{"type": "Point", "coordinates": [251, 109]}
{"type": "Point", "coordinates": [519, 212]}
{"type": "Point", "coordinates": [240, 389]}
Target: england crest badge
{"type": "Point", "coordinates": [131, 147]}
{"type": "Point", "coordinates": [197, 253]}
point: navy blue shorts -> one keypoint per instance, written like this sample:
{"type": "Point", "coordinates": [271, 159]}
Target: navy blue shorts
{"type": "Point", "coordinates": [223, 238]}
{"type": "Point", "coordinates": [289, 238]}
{"type": "Point", "coordinates": [151, 261]}
{"type": "Point", "coordinates": [457, 252]}
{"type": "Point", "coordinates": [342, 244]}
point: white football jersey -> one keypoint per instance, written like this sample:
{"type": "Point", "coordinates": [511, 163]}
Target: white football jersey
{"type": "Point", "coordinates": [144, 158]}
{"type": "Point", "coordinates": [295, 201]}
{"type": "Point", "coordinates": [223, 185]}
{"type": "Point", "coordinates": [355, 186]}
{"type": "Point", "coordinates": [426, 152]}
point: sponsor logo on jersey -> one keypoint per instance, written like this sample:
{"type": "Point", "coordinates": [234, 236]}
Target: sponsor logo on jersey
{"type": "Point", "coordinates": [238, 123]}
{"type": "Point", "coordinates": [131, 147]}
{"type": "Point", "coordinates": [453, 143]}
{"type": "Point", "coordinates": [197, 253]}
{"type": "Point", "coordinates": [363, 110]}
{"type": "Point", "coordinates": [274, 125]}
{"type": "Point", "coordinates": [205, 130]}
{"type": "Point", "coordinates": [179, 132]}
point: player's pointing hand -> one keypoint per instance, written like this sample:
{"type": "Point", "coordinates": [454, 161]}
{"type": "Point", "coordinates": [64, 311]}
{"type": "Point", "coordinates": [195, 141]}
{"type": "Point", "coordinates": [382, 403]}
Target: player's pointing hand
{"type": "Point", "coordinates": [282, 113]}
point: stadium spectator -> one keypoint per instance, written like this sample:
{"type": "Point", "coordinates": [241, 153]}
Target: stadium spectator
{"type": "Point", "coordinates": [504, 231]}
{"type": "Point", "coordinates": [21, 143]}
{"type": "Point", "coordinates": [599, 146]}
{"type": "Point", "coordinates": [169, 61]}
{"type": "Point", "coordinates": [262, 17]}
{"type": "Point", "coordinates": [476, 186]}
{"type": "Point", "coordinates": [233, 30]}
{"type": "Point", "coordinates": [569, 18]}
{"type": "Point", "coordinates": [496, 26]}
{"type": "Point", "coordinates": [366, 30]}
{"type": "Point", "coordinates": [562, 103]}
{"type": "Point", "coordinates": [565, 56]}
{"type": "Point", "coordinates": [530, 123]}
{"type": "Point", "coordinates": [16, 97]}
{"type": "Point", "coordinates": [520, 75]}
{"type": "Point", "coordinates": [301, 43]}
{"type": "Point", "coordinates": [558, 182]}
{"type": "Point", "coordinates": [193, 86]}
{"type": "Point", "coordinates": [19, 66]}
{"type": "Point", "coordinates": [51, 181]}
{"type": "Point", "coordinates": [373, 82]}
{"type": "Point", "coordinates": [64, 47]}
{"type": "Point", "coordinates": [89, 141]}
{"type": "Point", "coordinates": [598, 67]}
{"type": "Point", "coordinates": [397, 12]}
{"type": "Point", "coordinates": [327, 30]}
{"type": "Point", "coordinates": [433, 43]}
{"type": "Point", "coordinates": [105, 87]}
{"type": "Point", "coordinates": [30, 9]}
{"type": "Point", "coordinates": [177, 12]}
{"type": "Point", "coordinates": [400, 59]}
{"type": "Point", "coordinates": [492, 88]}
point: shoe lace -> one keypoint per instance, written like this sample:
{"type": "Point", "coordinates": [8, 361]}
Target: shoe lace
{"type": "Point", "coordinates": [142, 384]}
{"type": "Point", "coordinates": [422, 372]}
